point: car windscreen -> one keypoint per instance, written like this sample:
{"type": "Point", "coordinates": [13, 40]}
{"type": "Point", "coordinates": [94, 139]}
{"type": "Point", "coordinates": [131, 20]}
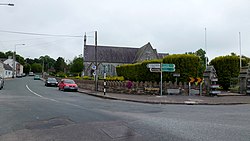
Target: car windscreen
{"type": "Point", "coordinates": [51, 79]}
{"type": "Point", "coordinates": [69, 81]}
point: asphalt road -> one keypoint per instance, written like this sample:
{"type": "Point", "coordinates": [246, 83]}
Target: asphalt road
{"type": "Point", "coordinates": [31, 111]}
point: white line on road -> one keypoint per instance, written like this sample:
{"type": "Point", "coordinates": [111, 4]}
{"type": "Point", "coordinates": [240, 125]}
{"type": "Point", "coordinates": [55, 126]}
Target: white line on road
{"type": "Point", "coordinates": [75, 105]}
{"type": "Point", "coordinates": [40, 95]}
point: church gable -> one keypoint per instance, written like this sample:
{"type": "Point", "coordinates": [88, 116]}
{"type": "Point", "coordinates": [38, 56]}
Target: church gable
{"type": "Point", "coordinates": [146, 53]}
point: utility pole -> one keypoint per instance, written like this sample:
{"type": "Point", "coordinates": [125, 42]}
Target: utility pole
{"type": "Point", "coordinates": [96, 70]}
{"type": "Point", "coordinates": [206, 47]}
{"type": "Point", "coordinates": [240, 49]}
{"type": "Point", "coordinates": [84, 46]}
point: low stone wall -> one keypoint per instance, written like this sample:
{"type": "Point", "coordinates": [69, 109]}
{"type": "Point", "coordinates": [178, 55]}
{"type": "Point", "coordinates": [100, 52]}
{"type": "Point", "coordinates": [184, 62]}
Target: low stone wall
{"type": "Point", "coordinates": [152, 88]}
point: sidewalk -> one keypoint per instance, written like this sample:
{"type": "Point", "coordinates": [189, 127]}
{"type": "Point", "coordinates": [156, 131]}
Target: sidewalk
{"type": "Point", "coordinates": [223, 99]}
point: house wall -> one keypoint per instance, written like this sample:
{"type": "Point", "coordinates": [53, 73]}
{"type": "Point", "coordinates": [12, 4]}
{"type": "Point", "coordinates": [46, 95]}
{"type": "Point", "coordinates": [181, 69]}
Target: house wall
{"type": "Point", "coordinates": [1, 69]}
{"type": "Point", "coordinates": [148, 54]}
{"type": "Point", "coordinates": [109, 68]}
{"type": "Point", "coordinates": [7, 74]}
{"type": "Point", "coordinates": [19, 67]}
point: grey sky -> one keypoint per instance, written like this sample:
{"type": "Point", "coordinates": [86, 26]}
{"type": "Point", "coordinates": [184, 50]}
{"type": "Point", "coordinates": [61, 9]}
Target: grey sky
{"type": "Point", "coordinates": [171, 26]}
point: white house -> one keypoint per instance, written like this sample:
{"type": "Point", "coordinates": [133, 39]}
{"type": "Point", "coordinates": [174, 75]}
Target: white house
{"type": "Point", "coordinates": [7, 71]}
{"type": "Point", "coordinates": [2, 69]}
{"type": "Point", "coordinates": [18, 67]}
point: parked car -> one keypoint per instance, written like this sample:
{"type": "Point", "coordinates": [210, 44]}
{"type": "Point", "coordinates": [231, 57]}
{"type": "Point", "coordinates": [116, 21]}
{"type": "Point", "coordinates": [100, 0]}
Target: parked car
{"type": "Point", "coordinates": [67, 84]}
{"type": "Point", "coordinates": [19, 76]}
{"type": "Point", "coordinates": [31, 74]}
{"type": "Point", "coordinates": [50, 81]}
{"type": "Point", "coordinates": [36, 77]}
{"type": "Point", "coordinates": [1, 82]}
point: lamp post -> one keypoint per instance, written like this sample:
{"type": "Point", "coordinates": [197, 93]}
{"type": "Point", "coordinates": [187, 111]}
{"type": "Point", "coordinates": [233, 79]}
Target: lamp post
{"type": "Point", "coordinates": [8, 4]}
{"type": "Point", "coordinates": [14, 61]}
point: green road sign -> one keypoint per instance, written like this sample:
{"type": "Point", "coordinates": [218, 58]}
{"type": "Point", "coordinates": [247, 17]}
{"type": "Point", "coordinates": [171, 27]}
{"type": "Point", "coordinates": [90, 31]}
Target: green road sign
{"type": "Point", "coordinates": [168, 68]}
{"type": "Point", "coordinates": [168, 65]}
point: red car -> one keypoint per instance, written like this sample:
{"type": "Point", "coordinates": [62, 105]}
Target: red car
{"type": "Point", "coordinates": [67, 84]}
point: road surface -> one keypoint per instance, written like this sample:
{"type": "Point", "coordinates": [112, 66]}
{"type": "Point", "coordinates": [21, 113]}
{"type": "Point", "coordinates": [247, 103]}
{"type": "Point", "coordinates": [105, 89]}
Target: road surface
{"type": "Point", "coordinates": [31, 111]}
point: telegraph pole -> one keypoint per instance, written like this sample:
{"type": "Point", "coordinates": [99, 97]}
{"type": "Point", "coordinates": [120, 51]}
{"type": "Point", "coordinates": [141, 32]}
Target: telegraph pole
{"type": "Point", "coordinates": [96, 70]}
{"type": "Point", "coordinates": [240, 49]}
{"type": "Point", "coordinates": [85, 43]}
{"type": "Point", "coordinates": [206, 47]}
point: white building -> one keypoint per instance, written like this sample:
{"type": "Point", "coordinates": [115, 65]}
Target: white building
{"type": "Point", "coordinates": [18, 67]}
{"type": "Point", "coordinates": [2, 69]}
{"type": "Point", "coordinates": [7, 71]}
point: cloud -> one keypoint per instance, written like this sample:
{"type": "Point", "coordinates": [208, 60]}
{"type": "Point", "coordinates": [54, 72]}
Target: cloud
{"type": "Point", "coordinates": [171, 26]}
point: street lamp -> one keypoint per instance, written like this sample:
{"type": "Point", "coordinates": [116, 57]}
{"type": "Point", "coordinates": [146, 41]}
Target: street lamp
{"type": "Point", "coordinates": [14, 61]}
{"type": "Point", "coordinates": [8, 4]}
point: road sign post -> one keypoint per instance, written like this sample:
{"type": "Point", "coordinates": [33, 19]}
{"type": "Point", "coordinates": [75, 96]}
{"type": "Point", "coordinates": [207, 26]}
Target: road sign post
{"type": "Point", "coordinates": [160, 67]}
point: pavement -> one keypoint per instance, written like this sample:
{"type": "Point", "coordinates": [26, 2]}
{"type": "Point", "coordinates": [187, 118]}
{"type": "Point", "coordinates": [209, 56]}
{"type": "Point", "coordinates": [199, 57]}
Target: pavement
{"type": "Point", "coordinates": [225, 98]}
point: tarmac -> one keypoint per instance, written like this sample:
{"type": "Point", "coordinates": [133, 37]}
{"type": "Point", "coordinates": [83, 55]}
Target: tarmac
{"type": "Point", "coordinates": [224, 98]}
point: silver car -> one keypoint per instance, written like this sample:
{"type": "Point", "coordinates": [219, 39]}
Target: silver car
{"type": "Point", "coordinates": [1, 83]}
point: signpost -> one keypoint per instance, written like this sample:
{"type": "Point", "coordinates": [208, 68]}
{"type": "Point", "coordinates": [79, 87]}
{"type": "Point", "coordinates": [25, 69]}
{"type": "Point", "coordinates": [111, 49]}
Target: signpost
{"type": "Point", "coordinates": [197, 81]}
{"type": "Point", "coordinates": [155, 65]}
{"type": "Point", "coordinates": [159, 67]}
{"type": "Point", "coordinates": [168, 67]}
{"type": "Point", "coordinates": [155, 70]}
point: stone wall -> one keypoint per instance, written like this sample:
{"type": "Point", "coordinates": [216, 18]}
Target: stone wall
{"type": "Point", "coordinates": [137, 87]}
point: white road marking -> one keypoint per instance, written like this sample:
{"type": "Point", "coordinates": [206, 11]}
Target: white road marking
{"type": "Point", "coordinates": [40, 95]}
{"type": "Point", "coordinates": [75, 105]}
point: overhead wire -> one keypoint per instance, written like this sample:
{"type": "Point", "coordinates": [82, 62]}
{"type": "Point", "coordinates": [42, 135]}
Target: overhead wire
{"type": "Point", "coordinates": [41, 34]}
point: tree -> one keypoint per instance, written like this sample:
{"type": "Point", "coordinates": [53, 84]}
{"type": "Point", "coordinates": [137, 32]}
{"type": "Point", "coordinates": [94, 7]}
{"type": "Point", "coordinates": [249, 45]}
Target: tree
{"type": "Point", "coordinates": [60, 65]}
{"type": "Point", "coordinates": [47, 61]}
{"type": "Point", "coordinates": [227, 67]}
{"type": "Point", "coordinates": [2, 55]}
{"type": "Point", "coordinates": [77, 65]}
{"type": "Point", "coordinates": [202, 55]}
{"type": "Point", "coordinates": [36, 67]}
{"type": "Point", "coordinates": [26, 68]}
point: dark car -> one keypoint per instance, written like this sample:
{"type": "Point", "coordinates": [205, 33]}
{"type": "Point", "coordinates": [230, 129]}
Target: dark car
{"type": "Point", "coordinates": [67, 84]}
{"type": "Point", "coordinates": [51, 82]}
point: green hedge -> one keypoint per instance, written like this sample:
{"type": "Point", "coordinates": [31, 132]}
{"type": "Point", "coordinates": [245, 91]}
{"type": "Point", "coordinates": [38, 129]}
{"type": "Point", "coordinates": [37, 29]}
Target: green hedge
{"type": "Point", "coordinates": [185, 64]}
{"type": "Point", "coordinates": [227, 67]}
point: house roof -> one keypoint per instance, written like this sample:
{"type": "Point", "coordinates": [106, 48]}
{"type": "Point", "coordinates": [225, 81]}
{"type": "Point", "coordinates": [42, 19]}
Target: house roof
{"type": "Point", "coordinates": [142, 50]}
{"type": "Point", "coordinates": [162, 55]}
{"type": "Point", "coordinates": [110, 54]}
{"type": "Point", "coordinates": [7, 67]}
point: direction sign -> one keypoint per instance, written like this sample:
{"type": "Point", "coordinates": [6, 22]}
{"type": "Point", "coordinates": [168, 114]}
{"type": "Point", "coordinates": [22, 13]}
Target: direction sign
{"type": "Point", "coordinates": [155, 70]}
{"type": "Point", "coordinates": [168, 69]}
{"type": "Point", "coordinates": [155, 65]}
{"type": "Point", "coordinates": [199, 80]}
{"type": "Point", "coordinates": [176, 75]}
{"type": "Point", "coordinates": [191, 79]}
{"type": "Point", "coordinates": [168, 65]}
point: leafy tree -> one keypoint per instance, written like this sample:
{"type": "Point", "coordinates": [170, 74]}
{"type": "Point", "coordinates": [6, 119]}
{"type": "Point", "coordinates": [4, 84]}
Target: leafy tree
{"type": "Point", "coordinates": [20, 59]}
{"type": "Point", "coordinates": [26, 68]}
{"type": "Point", "coordinates": [2, 55]}
{"type": "Point", "coordinates": [47, 61]}
{"type": "Point", "coordinates": [8, 53]}
{"type": "Point", "coordinates": [36, 67]}
{"type": "Point", "coordinates": [77, 65]}
{"type": "Point", "coordinates": [227, 67]}
{"type": "Point", "coordinates": [60, 65]}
